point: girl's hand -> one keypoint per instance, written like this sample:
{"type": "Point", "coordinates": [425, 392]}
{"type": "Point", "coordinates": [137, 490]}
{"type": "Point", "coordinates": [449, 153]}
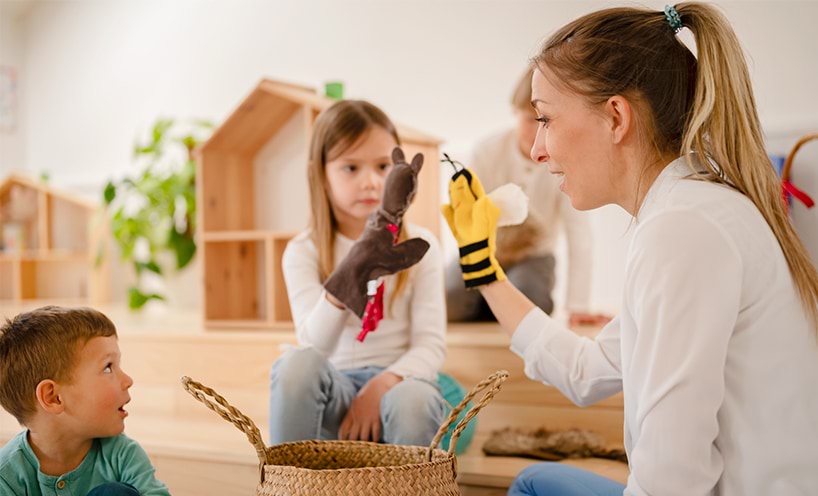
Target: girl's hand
{"type": "Point", "coordinates": [335, 301]}
{"type": "Point", "coordinates": [363, 419]}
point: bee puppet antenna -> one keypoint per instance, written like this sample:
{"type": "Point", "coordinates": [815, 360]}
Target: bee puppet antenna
{"type": "Point", "coordinates": [454, 163]}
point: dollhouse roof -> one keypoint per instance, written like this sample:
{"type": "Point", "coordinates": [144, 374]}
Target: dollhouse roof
{"type": "Point", "coordinates": [26, 182]}
{"type": "Point", "coordinates": [268, 108]}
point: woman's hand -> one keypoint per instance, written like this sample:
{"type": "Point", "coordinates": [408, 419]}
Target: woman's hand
{"type": "Point", "coordinates": [577, 319]}
{"type": "Point", "coordinates": [472, 218]}
{"type": "Point", "coordinates": [363, 419]}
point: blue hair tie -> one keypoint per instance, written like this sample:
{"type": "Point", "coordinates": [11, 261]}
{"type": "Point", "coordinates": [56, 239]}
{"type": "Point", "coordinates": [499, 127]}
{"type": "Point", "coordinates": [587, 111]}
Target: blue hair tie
{"type": "Point", "coordinates": [673, 18]}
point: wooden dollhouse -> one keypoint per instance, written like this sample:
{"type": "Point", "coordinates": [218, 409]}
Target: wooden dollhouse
{"type": "Point", "coordinates": [47, 250]}
{"type": "Point", "coordinates": [253, 198]}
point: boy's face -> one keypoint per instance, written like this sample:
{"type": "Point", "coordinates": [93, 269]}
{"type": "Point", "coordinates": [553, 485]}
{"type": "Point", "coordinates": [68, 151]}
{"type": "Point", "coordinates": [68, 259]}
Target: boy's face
{"type": "Point", "coordinates": [94, 399]}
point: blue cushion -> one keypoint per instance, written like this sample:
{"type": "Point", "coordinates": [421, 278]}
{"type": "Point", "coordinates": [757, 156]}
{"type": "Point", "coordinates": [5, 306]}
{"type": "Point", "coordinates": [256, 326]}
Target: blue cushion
{"type": "Point", "coordinates": [454, 393]}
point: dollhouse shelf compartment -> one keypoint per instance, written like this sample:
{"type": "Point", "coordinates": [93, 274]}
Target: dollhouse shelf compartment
{"type": "Point", "coordinates": [47, 247]}
{"type": "Point", "coordinates": [238, 265]}
{"type": "Point", "coordinates": [253, 198]}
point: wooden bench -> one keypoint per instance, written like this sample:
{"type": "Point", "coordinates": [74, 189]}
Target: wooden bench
{"type": "Point", "coordinates": [198, 453]}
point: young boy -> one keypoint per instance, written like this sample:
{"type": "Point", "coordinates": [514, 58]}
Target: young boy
{"type": "Point", "coordinates": [60, 376]}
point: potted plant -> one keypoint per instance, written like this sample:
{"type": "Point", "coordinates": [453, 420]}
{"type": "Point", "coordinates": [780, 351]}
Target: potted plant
{"type": "Point", "coordinates": [154, 211]}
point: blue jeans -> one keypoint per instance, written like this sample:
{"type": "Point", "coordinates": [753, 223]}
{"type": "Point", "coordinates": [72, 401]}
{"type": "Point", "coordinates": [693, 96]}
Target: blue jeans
{"type": "Point", "coordinates": [309, 399]}
{"type": "Point", "coordinates": [114, 489]}
{"type": "Point", "coordinates": [559, 479]}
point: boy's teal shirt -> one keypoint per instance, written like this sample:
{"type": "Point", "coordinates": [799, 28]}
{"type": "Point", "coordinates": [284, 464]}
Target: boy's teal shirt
{"type": "Point", "coordinates": [112, 459]}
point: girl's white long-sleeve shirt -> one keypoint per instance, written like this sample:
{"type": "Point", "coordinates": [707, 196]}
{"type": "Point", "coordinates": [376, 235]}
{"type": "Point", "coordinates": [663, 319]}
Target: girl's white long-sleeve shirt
{"type": "Point", "coordinates": [410, 340]}
{"type": "Point", "coordinates": [713, 351]}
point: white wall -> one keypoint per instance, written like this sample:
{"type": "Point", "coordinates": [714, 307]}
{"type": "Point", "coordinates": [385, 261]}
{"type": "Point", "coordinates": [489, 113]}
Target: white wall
{"type": "Point", "coordinates": [12, 142]}
{"type": "Point", "coordinates": [99, 72]}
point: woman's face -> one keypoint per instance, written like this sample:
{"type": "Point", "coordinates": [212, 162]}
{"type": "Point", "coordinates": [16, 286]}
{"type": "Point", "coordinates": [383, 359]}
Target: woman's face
{"type": "Point", "coordinates": [526, 129]}
{"type": "Point", "coordinates": [576, 142]}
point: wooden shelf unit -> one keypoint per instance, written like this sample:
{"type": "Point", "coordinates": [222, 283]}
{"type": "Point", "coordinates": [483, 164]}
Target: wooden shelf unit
{"type": "Point", "coordinates": [244, 269]}
{"type": "Point", "coordinates": [253, 198]}
{"type": "Point", "coordinates": [52, 255]}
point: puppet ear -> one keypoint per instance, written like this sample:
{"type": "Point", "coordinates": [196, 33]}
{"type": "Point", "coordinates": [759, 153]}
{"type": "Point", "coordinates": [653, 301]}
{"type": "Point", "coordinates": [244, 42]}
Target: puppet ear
{"type": "Point", "coordinates": [417, 162]}
{"type": "Point", "coordinates": [397, 156]}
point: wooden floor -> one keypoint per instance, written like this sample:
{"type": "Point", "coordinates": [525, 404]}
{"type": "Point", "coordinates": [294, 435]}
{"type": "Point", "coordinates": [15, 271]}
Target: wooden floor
{"type": "Point", "coordinates": [197, 453]}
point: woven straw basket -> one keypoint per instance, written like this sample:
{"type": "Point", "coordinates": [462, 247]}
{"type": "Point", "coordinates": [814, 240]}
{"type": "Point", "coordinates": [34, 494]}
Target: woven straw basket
{"type": "Point", "coordinates": [353, 468]}
{"type": "Point", "coordinates": [785, 173]}
{"type": "Point", "coordinates": [787, 186]}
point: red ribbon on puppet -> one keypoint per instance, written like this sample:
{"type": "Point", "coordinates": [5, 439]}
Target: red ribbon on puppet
{"type": "Point", "coordinates": [373, 313]}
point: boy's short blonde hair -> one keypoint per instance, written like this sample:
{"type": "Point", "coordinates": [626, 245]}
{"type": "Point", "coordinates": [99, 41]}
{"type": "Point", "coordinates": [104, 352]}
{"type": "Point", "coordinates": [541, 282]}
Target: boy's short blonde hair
{"type": "Point", "coordinates": [42, 344]}
{"type": "Point", "coordinates": [521, 98]}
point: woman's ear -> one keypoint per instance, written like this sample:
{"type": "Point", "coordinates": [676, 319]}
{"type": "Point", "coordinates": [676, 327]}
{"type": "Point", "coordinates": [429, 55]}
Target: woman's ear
{"type": "Point", "coordinates": [619, 112]}
{"type": "Point", "coordinates": [48, 397]}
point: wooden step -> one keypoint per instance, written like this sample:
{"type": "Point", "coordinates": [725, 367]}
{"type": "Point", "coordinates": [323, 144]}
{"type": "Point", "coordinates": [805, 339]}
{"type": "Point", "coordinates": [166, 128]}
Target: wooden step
{"type": "Point", "coordinates": [237, 365]}
{"type": "Point", "coordinates": [198, 453]}
{"type": "Point", "coordinates": [208, 456]}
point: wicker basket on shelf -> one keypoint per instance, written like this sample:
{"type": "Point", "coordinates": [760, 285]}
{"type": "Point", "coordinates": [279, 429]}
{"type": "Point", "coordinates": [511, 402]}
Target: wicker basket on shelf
{"type": "Point", "coordinates": [787, 187]}
{"type": "Point", "coordinates": [353, 468]}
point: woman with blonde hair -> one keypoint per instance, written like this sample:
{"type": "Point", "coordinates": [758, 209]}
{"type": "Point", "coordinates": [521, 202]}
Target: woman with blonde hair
{"type": "Point", "coordinates": [716, 346]}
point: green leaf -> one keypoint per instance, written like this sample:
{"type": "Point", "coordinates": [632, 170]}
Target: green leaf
{"type": "Point", "coordinates": [204, 124]}
{"type": "Point", "coordinates": [161, 180]}
{"type": "Point", "coordinates": [189, 141]}
{"type": "Point", "coordinates": [150, 265]}
{"type": "Point", "coordinates": [143, 150]}
{"type": "Point", "coordinates": [137, 299]}
{"type": "Point", "coordinates": [109, 193]}
{"type": "Point", "coordinates": [184, 246]}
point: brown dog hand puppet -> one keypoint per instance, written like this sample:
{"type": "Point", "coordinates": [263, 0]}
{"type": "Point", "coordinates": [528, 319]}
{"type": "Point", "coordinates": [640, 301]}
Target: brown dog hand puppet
{"type": "Point", "coordinates": [377, 253]}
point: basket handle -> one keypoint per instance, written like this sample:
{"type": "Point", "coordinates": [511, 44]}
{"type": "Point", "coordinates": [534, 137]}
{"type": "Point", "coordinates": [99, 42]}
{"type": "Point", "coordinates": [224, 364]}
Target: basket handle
{"type": "Point", "coordinates": [493, 383]}
{"type": "Point", "coordinates": [229, 413]}
{"type": "Point", "coordinates": [785, 172]}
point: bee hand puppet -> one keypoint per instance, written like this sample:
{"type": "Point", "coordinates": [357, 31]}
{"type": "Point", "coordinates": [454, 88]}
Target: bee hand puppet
{"type": "Point", "coordinates": [473, 217]}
